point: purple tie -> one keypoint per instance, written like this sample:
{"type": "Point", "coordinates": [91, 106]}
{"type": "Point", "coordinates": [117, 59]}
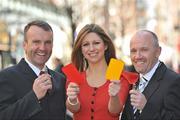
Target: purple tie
{"type": "Point", "coordinates": [42, 72]}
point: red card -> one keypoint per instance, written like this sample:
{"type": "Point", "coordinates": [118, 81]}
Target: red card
{"type": "Point", "coordinates": [72, 73]}
{"type": "Point", "coordinates": [131, 77]}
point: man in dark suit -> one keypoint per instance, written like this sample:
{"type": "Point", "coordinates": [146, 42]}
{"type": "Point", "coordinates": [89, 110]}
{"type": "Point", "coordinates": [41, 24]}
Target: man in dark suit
{"type": "Point", "coordinates": [156, 95]}
{"type": "Point", "coordinates": [25, 94]}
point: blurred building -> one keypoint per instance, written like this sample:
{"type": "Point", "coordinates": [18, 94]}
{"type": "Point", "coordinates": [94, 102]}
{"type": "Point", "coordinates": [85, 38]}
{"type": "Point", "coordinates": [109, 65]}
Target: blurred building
{"type": "Point", "coordinates": [119, 18]}
{"type": "Point", "coordinates": [15, 14]}
{"type": "Point", "coordinates": [168, 29]}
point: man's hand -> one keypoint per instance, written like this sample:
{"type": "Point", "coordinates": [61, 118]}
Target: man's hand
{"type": "Point", "coordinates": [138, 100]}
{"type": "Point", "coordinates": [41, 85]}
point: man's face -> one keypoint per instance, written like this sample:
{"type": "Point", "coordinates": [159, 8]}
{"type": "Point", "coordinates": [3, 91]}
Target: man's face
{"type": "Point", "coordinates": [144, 54]}
{"type": "Point", "coordinates": [38, 46]}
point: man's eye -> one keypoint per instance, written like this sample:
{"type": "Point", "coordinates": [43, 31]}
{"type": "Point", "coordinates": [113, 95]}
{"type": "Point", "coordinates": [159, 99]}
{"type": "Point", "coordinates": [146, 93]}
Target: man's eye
{"type": "Point", "coordinates": [144, 49]}
{"type": "Point", "coordinates": [49, 42]}
{"type": "Point", "coordinates": [36, 42]}
{"type": "Point", "coordinates": [132, 51]}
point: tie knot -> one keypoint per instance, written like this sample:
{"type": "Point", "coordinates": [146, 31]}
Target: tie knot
{"type": "Point", "coordinates": [142, 84]}
{"type": "Point", "coordinates": [143, 79]}
{"type": "Point", "coordinates": [42, 72]}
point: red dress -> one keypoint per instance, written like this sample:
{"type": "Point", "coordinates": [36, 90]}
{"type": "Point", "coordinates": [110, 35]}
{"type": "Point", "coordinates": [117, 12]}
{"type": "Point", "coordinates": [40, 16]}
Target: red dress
{"type": "Point", "coordinates": [94, 101]}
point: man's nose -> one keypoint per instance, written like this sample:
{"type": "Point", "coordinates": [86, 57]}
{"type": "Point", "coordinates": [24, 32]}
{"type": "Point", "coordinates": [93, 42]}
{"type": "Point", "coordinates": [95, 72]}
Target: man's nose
{"type": "Point", "coordinates": [138, 54]}
{"type": "Point", "coordinates": [42, 46]}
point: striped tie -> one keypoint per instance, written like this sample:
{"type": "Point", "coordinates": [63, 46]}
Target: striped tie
{"type": "Point", "coordinates": [142, 84]}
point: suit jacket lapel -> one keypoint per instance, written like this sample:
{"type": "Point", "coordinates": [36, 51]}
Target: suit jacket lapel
{"type": "Point", "coordinates": [155, 81]}
{"type": "Point", "coordinates": [26, 71]}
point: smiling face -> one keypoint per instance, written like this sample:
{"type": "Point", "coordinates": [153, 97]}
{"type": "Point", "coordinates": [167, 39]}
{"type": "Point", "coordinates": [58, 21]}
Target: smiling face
{"type": "Point", "coordinates": [38, 46]}
{"type": "Point", "coordinates": [93, 48]}
{"type": "Point", "coordinates": [143, 52]}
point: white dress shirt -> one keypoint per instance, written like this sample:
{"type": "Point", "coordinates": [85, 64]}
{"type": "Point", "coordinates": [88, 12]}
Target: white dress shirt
{"type": "Point", "coordinates": [144, 79]}
{"type": "Point", "coordinates": [34, 68]}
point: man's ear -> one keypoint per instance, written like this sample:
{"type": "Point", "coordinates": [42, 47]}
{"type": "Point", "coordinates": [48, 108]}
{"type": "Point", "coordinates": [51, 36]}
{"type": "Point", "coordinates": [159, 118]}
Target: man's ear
{"type": "Point", "coordinates": [158, 53]}
{"type": "Point", "coordinates": [24, 43]}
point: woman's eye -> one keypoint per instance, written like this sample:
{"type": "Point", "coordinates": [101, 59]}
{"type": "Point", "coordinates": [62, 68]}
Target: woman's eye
{"type": "Point", "coordinates": [97, 43]}
{"type": "Point", "coordinates": [86, 44]}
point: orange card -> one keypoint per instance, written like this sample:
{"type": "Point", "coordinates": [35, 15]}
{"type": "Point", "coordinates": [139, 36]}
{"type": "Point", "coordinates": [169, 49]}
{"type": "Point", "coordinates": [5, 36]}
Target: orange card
{"type": "Point", "coordinates": [114, 69]}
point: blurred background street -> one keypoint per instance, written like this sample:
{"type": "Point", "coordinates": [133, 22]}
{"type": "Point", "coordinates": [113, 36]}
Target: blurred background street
{"type": "Point", "coordinates": [120, 18]}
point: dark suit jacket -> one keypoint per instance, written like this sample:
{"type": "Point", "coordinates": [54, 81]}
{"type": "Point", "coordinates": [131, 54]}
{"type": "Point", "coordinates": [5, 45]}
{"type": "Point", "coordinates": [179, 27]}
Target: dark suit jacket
{"type": "Point", "coordinates": [19, 102]}
{"type": "Point", "coordinates": [163, 97]}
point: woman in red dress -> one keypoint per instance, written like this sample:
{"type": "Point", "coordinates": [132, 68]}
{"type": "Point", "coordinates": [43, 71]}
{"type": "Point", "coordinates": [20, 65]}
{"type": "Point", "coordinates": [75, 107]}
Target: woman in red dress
{"type": "Point", "coordinates": [95, 98]}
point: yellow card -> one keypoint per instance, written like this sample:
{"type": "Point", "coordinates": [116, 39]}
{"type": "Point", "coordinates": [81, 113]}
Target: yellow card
{"type": "Point", "coordinates": [114, 69]}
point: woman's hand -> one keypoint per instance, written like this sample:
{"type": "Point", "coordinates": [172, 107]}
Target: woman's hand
{"type": "Point", "coordinates": [114, 88]}
{"type": "Point", "coordinates": [72, 92]}
{"type": "Point", "coordinates": [114, 105]}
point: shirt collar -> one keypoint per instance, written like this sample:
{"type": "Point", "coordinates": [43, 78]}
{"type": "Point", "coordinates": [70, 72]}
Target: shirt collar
{"type": "Point", "coordinates": [148, 75]}
{"type": "Point", "coordinates": [34, 68]}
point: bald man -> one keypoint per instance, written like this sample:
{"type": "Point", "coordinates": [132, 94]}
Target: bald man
{"type": "Point", "coordinates": [157, 93]}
